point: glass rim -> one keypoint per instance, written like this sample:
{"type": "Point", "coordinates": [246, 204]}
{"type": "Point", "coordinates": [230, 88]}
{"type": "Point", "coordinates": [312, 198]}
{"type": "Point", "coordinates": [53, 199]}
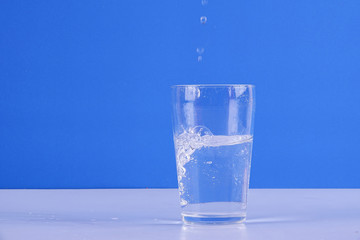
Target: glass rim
{"type": "Point", "coordinates": [213, 85]}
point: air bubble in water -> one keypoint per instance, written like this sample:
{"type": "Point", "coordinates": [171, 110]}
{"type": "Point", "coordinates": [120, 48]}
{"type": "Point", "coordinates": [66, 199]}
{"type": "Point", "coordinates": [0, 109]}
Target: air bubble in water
{"type": "Point", "coordinates": [204, 2]}
{"type": "Point", "coordinates": [203, 19]}
{"type": "Point", "coordinates": [200, 131]}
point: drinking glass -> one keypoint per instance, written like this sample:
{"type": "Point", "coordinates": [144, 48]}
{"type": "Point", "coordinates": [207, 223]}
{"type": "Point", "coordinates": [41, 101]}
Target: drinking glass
{"type": "Point", "coordinates": [213, 137]}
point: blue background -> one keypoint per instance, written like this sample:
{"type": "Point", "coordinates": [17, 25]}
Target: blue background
{"type": "Point", "coordinates": [85, 88]}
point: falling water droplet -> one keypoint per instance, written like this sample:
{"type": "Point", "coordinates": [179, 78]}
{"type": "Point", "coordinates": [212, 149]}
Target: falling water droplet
{"type": "Point", "coordinates": [200, 50]}
{"type": "Point", "coordinates": [204, 2]}
{"type": "Point", "coordinates": [203, 19]}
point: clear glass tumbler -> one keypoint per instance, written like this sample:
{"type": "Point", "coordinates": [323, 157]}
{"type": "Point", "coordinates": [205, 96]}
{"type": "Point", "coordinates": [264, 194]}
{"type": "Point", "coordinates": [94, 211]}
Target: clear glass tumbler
{"type": "Point", "coordinates": [213, 135]}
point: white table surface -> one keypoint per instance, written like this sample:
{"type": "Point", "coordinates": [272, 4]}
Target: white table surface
{"type": "Point", "coordinates": [155, 214]}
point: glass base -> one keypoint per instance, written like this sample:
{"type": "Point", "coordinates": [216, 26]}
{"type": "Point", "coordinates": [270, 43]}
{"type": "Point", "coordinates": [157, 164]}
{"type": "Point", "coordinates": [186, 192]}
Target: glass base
{"type": "Point", "coordinates": [212, 219]}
